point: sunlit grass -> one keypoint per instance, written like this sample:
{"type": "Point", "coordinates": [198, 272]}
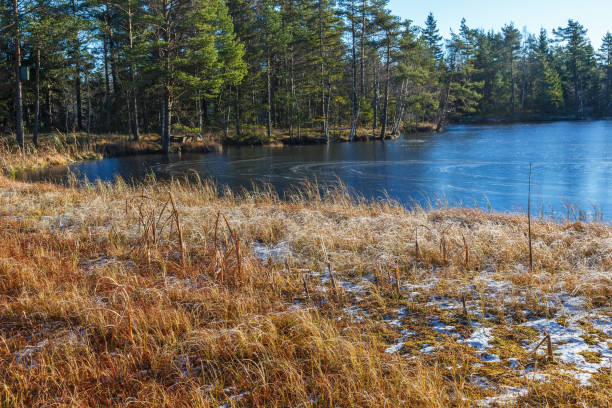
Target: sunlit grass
{"type": "Point", "coordinates": [113, 295]}
{"type": "Point", "coordinates": [57, 148]}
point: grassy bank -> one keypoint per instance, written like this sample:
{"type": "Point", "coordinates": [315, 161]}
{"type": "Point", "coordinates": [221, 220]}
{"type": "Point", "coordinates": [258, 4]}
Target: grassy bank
{"type": "Point", "coordinates": [60, 149]}
{"type": "Point", "coordinates": [254, 135]}
{"type": "Point", "coordinates": [175, 295]}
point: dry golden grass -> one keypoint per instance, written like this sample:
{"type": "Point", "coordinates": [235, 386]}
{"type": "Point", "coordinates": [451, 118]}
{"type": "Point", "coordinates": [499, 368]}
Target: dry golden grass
{"type": "Point", "coordinates": [173, 294]}
{"type": "Point", "coordinates": [60, 149]}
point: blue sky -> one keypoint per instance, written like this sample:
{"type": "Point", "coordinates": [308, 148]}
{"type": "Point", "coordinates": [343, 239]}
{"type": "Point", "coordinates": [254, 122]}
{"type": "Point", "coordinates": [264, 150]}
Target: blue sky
{"type": "Point", "coordinates": [595, 15]}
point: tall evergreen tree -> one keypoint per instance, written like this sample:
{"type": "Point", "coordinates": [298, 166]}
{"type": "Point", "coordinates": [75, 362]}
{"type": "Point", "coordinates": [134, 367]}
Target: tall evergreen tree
{"type": "Point", "coordinates": [574, 43]}
{"type": "Point", "coordinates": [605, 59]}
{"type": "Point", "coordinates": [511, 44]}
{"type": "Point", "coordinates": [432, 37]}
{"type": "Point", "coordinates": [192, 46]}
{"type": "Point", "coordinates": [548, 89]}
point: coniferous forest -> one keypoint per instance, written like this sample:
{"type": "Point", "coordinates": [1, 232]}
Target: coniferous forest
{"type": "Point", "coordinates": [247, 70]}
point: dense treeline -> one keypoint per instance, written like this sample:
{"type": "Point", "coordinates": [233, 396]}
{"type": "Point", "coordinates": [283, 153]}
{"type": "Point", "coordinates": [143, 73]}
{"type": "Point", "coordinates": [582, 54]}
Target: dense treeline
{"type": "Point", "coordinates": [250, 69]}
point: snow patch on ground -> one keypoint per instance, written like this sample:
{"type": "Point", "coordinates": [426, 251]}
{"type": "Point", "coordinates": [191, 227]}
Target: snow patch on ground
{"type": "Point", "coordinates": [278, 253]}
{"type": "Point", "coordinates": [570, 342]}
{"type": "Point", "coordinates": [507, 396]}
{"type": "Point", "coordinates": [27, 357]}
{"type": "Point", "coordinates": [356, 313]}
{"type": "Point", "coordinates": [427, 349]}
{"type": "Point", "coordinates": [442, 328]}
{"type": "Point", "coordinates": [400, 342]}
{"type": "Point", "coordinates": [479, 339]}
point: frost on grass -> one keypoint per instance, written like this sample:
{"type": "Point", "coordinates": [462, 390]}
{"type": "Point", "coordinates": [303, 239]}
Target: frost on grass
{"type": "Point", "coordinates": [479, 339]}
{"type": "Point", "coordinates": [400, 342]}
{"type": "Point", "coordinates": [413, 320]}
{"type": "Point", "coordinates": [581, 342]}
{"type": "Point", "coordinates": [507, 396]}
{"type": "Point", "coordinates": [29, 357]}
{"type": "Point", "coordinates": [279, 252]}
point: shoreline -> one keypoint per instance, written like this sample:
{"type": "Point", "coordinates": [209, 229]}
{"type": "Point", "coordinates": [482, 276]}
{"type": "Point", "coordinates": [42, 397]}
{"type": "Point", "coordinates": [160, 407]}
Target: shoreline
{"type": "Point", "coordinates": [59, 149]}
{"type": "Point", "coordinates": [73, 148]}
{"type": "Point", "coordinates": [529, 119]}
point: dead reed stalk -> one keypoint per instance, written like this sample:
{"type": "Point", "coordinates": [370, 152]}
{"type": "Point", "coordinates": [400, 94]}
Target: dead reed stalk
{"type": "Point", "coordinates": [529, 223]}
{"type": "Point", "coordinates": [417, 253]}
{"type": "Point", "coordinates": [549, 350]}
{"type": "Point", "coordinates": [466, 315]}
{"type": "Point", "coordinates": [305, 282]}
{"type": "Point", "coordinates": [333, 280]}
{"type": "Point", "coordinates": [467, 252]}
{"type": "Point", "coordinates": [397, 281]}
{"type": "Point", "coordinates": [236, 242]}
{"type": "Point", "coordinates": [177, 220]}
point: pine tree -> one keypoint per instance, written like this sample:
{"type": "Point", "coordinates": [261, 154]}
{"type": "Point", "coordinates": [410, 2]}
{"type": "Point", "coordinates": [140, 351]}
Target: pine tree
{"type": "Point", "coordinates": [189, 40]}
{"type": "Point", "coordinates": [512, 44]}
{"type": "Point", "coordinates": [418, 79]}
{"type": "Point", "coordinates": [16, 26]}
{"type": "Point", "coordinates": [432, 38]}
{"type": "Point", "coordinates": [273, 41]}
{"type": "Point", "coordinates": [350, 12]}
{"type": "Point", "coordinates": [575, 49]}
{"type": "Point", "coordinates": [461, 92]}
{"type": "Point", "coordinates": [605, 59]}
{"type": "Point", "coordinates": [389, 26]}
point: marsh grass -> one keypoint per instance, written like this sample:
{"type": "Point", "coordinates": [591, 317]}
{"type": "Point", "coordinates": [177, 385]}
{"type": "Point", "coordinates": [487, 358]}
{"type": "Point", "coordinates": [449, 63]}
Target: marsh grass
{"type": "Point", "coordinates": [57, 148]}
{"type": "Point", "coordinates": [152, 295]}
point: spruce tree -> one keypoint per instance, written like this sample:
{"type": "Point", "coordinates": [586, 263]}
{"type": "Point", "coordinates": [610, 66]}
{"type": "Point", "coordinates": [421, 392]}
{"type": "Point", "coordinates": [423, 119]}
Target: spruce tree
{"type": "Point", "coordinates": [605, 59]}
{"type": "Point", "coordinates": [432, 38]}
{"type": "Point", "coordinates": [512, 44]}
{"type": "Point", "coordinates": [574, 43]}
{"type": "Point", "coordinates": [193, 47]}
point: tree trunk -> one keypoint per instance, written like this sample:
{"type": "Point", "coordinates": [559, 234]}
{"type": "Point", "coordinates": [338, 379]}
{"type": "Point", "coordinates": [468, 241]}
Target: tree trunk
{"type": "Point", "coordinates": [66, 120]}
{"type": "Point", "coordinates": [79, 100]}
{"type": "Point", "coordinates": [353, 75]}
{"type": "Point", "coordinates": [269, 94]}
{"type": "Point", "coordinates": [327, 109]}
{"type": "Point", "coordinates": [575, 65]}
{"type": "Point", "coordinates": [106, 87]}
{"type": "Point", "coordinates": [167, 119]}
{"type": "Point", "coordinates": [49, 120]}
{"type": "Point", "coordinates": [445, 99]}
{"type": "Point", "coordinates": [608, 99]}
{"type": "Point", "coordinates": [37, 101]}
{"type": "Point", "coordinates": [375, 102]}
{"type": "Point", "coordinates": [293, 104]}
{"type": "Point", "coordinates": [362, 44]}
{"type": "Point", "coordinates": [383, 131]}
{"type": "Point", "coordinates": [18, 91]}
{"type": "Point", "coordinates": [162, 121]}
{"type": "Point", "coordinates": [295, 101]}
{"type": "Point", "coordinates": [581, 99]}
{"type": "Point", "coordinates": [524, 86]}
{"type": "Point", "coordinates": [77, 74]}
{"type": "Point", "coordinates": [238, 115]}
{"type": "Point", "coordinates": [322, 66]}
{"type": "Point", "coordinates": [114, 66]}
{"type": "Point", "coordinates": [133, 102]}
{"type": "Point", "coordinates": [145, 118]}
{"type": "Point", "coordinates": [199, 109]}
{"type": "Point", "coordinates": [88, 92]}
{"type": "Point", "coordinates": [512, 82]}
